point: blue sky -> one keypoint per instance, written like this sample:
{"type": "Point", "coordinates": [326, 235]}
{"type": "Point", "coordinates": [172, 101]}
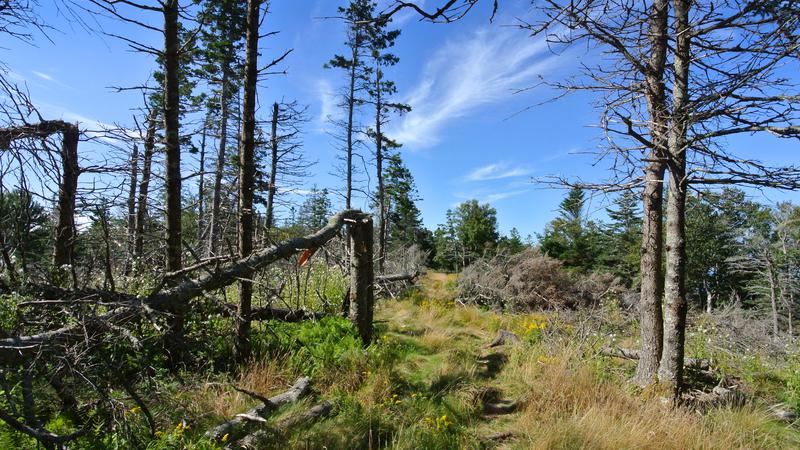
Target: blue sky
{"type": "Point", "coordinates": [469, 134]}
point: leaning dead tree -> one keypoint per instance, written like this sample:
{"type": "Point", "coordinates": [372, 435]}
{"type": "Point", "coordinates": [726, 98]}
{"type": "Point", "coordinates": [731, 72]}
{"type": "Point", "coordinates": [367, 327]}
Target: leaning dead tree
{"type": "Point", "coordinates": [98, 318]}
{"type": "Point", "coordinates": [65, 226]}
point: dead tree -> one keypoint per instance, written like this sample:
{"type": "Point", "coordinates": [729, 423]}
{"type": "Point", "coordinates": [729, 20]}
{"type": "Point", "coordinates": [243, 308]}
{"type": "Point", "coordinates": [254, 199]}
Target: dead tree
{"type": "Point", "coordinates": [362, 276]}
{"type": "Point", "coordinates": [64, 233]}
{"type": "Point", "coordinates": [144, 185]}
{"type": "Point", "coordinates": [129, 307]}
{"type": "Point", "coordinates": [247, 171]}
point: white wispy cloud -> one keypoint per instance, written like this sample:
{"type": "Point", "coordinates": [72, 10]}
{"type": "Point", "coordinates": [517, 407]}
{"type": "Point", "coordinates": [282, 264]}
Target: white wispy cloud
{"type": "Point", "coordinates": [42, 75]}
{"type": "Point", "coordinates": [328, 109]}
{"type": "Point", "coordinates": [464, 75]}
{"type": "Point", "coordinates": [490, 197]}
{"type": "Point", "coordinates": [497, 171]}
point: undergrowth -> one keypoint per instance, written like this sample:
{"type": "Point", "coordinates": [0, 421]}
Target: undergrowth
{"type": "Point", "coordinates": [421, 385]}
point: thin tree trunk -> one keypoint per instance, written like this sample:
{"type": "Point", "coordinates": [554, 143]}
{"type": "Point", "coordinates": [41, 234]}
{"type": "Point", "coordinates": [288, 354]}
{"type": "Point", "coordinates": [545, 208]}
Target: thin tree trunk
{"type": "Point", "coordinates": [174, 338]}
{"type": "Point", "coordinates": [379, 170]}
{"type": "Point", "coordinates": [273, 168]}
{"type": "Point", "coordinates": [671, 368]}
{"type": "Point", "coordinates": [773, 295]}
{"type": "Point", "coordinates": [224, 114]}
{"type": "Point", "coordinates": [144, 186]}
{"type": "Point", "coordinates": [67, 192]}
{"type": "Point", "coordinates": [652, 287]}
{"type": "Point", "coordinates": [132, 209]}
{"type": "Point", "coordinates": [351, 104]}
{"type": "Point", "coordinates": [201, 186]}
{"type": "Point", "coordinates": [247, 177]}
{"type": "Point", "coordinates": [108, 282]}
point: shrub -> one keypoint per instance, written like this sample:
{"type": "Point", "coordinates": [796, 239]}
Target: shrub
{"type": "Point", "coordinates": [530, 280]}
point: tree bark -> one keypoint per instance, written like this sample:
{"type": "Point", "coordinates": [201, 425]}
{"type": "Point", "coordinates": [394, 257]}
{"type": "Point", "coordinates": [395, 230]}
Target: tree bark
{"type": "Point", "coordinates": [67, 193]}
{"type": "Point", "coordinates": [201, 186]}
{"type": "Point", "coordinates": [362, 277]}
{"type": "Point", "coordinates": [351, 105]}
{"type": "Point", "coordinates": [247, 177]}
{"type": "Point", "coordinates": [144, 186]}
{"type": "Point", "coordinates": [224, 114]}
{"type": "Point", "coordinates": [652, 287]}
{"type": "Point", "coordinates": [671, 368]}
{"type": "Point", "coordinates": [173, 170]}
{"type": "Point", "coordinates": [379, 170]}
{"type": "Point", "coordinates": [132, 209]}
{"type": "Point", "coordinates": [273, 168]}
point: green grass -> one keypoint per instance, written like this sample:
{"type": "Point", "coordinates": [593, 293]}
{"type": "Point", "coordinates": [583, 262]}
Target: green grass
{"type": "Point", "coordinates": [421, 386]}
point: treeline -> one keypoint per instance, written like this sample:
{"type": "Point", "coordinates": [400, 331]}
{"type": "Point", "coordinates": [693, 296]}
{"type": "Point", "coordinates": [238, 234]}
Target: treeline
{"type": "Point", "coordinates": [739, 252]}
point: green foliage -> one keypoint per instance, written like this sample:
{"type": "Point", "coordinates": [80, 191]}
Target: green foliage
{"type": "Point", "coordinates": [315, 211]}
{"type": "Point", "coordinates": [621, 238]}
{"type": "Point", "coordinates": [469, 233]}
{"type": "Point", "coordinates": [315, 347]}
{"type": "Point", "coordinates": [570, 237]}
{"type": "Point", "coordinates": [26, 230]}
{"type": "Point", "coordinates": [404, 224]}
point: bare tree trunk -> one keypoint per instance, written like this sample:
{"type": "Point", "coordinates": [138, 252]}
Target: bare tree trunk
{"type": "Point", "coordinates": [67, 192]}
{"type": "Point", "coordinates": [247, 177]}
{"type": "Point", "coordinates": [174, 338]}
{"type": "Point", "coordinates": [224, 114]}
{"type": "Point", "coordinates": [379, 170]}
{"type": "Point", "coordinates": [351, 104]}
{"type": "Point", "coordinates": [362, 277]}
{"type": "Point", "coordinates": [201, 186]}
{"type": "Point", "coordinates": [144, 186]}
{"type": "Point", "coordinates": [273, 168]}
{"type": "Point", "coordinates": [671, 368]}
{"type": "Point", "coordinates": [172, 135]}
{"type": "Point", "coordinates": [772, 294]}
{"type": "Point", "coordinates": [108, 282]}
{"type": "Point", "coordinates": [131, 231]}
{"type": "Point", "coordinates": [652, 287]}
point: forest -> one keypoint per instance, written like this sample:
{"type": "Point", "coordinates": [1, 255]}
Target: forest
{"type": "Point", "coordinates": [190, 279]}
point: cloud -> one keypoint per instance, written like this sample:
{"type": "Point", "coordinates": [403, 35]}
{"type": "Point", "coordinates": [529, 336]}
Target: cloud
{"type": "Point", "coordinates": [464, 75]}
{"type": "Point", "coordinates": [490, 197]}
{"type": "Point", "coordinates": [328, 109]}
{"type": "Point", "coordinates": [42, 75]}
{"type": "Point", "coordinates": [497, 171]}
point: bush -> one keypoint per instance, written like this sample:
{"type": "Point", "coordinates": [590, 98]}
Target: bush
{"type": "Point", "coordinates": [530, 280]}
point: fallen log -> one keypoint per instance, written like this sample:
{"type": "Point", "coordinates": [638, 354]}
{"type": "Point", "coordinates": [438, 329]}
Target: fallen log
{"type": "Point", "coordinates": [285, 314]}
{"type": "Point", "coordinates": [275, 433]}
{"type": "Point", "coordinates": [501, 436]}
{"type": "Point", "coordinates": [504, 337]}
{"type": "Point", "coordinates": [20, 348]}
{"type": "Point", "coordinates": [245, 423]}
{"type": "Point", "coordinates": [405, 276]}
{"type": "Point", "coordinates": [628, 353]}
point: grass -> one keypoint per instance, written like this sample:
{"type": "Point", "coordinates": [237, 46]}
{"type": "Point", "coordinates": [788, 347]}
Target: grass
{"type": "Point", "coordinates": [422, 385]}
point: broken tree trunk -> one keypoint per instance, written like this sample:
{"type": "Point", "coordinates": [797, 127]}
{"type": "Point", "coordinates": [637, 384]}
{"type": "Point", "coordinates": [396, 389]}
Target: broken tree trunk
{"type": "Point", "coordinates": [68, 185]}
{"type": "Point", "coordinates": [274, 434]}
{"type": "Point", "coordinates": [362, 276]}
{"type": "Point", "coordinates": [244, 424]}
{"type": "Point", "coordinates": [17, 349]}
{"type": "Point", "coordinates": [627, 353]}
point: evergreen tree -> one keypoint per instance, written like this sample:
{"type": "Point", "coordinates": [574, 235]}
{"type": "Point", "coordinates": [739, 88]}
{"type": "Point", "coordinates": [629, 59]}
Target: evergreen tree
{"type": "Point", "coordinates": [402, 217]}
{"type": "Point", "coordinates": [622, 237]}
{"type": "Point", "coordinates": [315, 210]}
{"type": "Point", "coordinates": [570, 237]}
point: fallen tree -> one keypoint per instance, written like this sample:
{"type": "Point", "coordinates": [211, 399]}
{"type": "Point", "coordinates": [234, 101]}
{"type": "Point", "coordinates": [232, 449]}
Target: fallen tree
{"type": "Point", "coordinates": [245, 423]}
{"type": "Point", "coordinates": [627, 353]}
{"type": "Point", "coordinates": [274, 434]}
{"type": "Point", "coordinates": [127, 307]}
